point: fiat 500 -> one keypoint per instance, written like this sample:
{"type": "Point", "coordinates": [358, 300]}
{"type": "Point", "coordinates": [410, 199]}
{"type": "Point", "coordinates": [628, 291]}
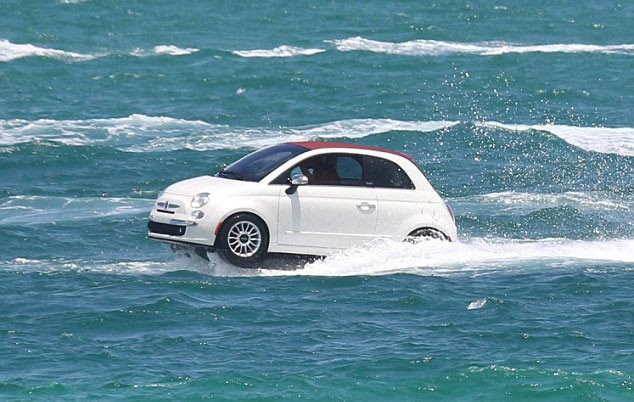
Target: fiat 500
{"type": "Point", "coordinates": [306, 198]}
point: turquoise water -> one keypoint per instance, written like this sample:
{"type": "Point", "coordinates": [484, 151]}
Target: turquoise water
{"type": "Point", "coordinates": [520, 113]}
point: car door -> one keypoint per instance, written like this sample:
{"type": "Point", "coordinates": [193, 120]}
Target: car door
{"type": "Point", "coordinates": [338, 212]}
{"type": "Point", "coordinates": [397, 200]}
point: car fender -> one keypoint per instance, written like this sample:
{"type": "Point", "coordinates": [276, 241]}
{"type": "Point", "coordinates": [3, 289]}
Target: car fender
{"type": "Point", "coordinates": [265, 208]}
{"type": "Point", "coordinates": [433, 216]}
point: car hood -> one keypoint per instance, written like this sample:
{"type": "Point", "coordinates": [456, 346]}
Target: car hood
{"type": "Point", "coordinates": [208, 184]}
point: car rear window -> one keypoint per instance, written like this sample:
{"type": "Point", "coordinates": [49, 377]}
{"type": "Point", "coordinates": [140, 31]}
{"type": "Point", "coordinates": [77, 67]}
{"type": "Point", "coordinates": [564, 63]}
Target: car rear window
{"type": "Point", "coordinates": [382, 173]}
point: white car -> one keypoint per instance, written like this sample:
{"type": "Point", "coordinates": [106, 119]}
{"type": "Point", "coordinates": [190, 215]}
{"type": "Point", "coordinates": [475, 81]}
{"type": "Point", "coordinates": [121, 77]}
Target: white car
{"type": "Point", "coordinates": [306, 198]}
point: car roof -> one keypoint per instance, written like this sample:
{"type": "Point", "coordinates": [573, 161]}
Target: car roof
{"type": "Point", "coordinates": [334, 145]}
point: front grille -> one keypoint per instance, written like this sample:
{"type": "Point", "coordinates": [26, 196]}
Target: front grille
{"type": "Point", "coordinates": [166, 229]}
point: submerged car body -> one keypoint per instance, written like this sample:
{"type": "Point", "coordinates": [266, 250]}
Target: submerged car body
{"type": "Point", "coordinates": [307, 198]}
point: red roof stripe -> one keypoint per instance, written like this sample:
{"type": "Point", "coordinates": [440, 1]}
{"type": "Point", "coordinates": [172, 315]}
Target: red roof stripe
{"type": "Point", "coordinates": [322, 145]}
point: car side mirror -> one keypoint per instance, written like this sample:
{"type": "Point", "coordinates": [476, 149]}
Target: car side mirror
{"type": "Point", "coordinates": [299, 179]}
{"type": "Point", "coordinates": [296, 181]}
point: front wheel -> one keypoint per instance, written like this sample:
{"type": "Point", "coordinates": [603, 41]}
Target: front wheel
{"type": "Point", "coordinates": [426, 234]}
{"type": "Point", "coordinates": [244, 240]}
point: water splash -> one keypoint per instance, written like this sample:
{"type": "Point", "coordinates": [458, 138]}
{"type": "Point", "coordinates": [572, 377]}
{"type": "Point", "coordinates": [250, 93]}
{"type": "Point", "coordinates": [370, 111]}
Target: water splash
{"type": "Point", "coordinates": [427, 258]}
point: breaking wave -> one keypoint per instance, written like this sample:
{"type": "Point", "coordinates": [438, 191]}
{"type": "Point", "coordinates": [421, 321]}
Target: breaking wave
{"type": "Point", "coordinates": [11, 51]}
{"type": "Point", "coordinates": [160, 50]}
{"type": "Point", "coordinates": [619, 141]}
{"type": "Point", "coordinates": [140, 133]}
{"type": "Point", "coordinates": [424, 47]}
{"type": "Point", "coordinates": [281, 51]}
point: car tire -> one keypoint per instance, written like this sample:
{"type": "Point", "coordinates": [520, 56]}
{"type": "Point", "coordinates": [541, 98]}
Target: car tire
{"type": "Point", "coordinates": [426, 234]}
{"type": "Point", "coordinates": [244, 240]}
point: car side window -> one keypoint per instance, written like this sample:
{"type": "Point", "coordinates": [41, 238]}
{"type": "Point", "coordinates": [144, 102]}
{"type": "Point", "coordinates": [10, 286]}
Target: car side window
{"type": "Point", "coordinates": [331, 170]}
{"type": "Point", "coordinates": [383, 173]}
{"type": "Point", "coordinates": [350, 170]}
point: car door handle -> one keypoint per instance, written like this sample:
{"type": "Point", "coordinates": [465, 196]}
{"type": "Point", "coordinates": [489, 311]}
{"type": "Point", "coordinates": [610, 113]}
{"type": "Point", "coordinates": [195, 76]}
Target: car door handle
{"type": "Point", "coordinates": [366, 207]}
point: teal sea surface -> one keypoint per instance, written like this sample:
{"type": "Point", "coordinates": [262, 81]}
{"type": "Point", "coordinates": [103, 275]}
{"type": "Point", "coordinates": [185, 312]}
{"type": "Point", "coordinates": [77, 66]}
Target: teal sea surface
{"type": "Point", "coordinates": [519, 112]}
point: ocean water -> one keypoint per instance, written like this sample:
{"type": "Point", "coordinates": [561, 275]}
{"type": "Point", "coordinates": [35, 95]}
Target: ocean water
{"type": "Point", "coordinates": [520, 113]}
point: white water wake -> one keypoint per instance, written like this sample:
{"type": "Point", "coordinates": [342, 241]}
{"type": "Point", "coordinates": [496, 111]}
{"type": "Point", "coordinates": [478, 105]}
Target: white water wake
{"type": "Point", "coordinates": [472, 258]}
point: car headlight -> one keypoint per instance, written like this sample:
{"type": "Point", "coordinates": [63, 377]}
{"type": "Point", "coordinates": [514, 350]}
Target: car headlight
{"type": "Point", "coordinates": [200, 200]}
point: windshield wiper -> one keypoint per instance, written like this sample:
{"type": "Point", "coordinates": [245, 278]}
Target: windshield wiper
{"type": "Point", "coordinates": [230, 174]}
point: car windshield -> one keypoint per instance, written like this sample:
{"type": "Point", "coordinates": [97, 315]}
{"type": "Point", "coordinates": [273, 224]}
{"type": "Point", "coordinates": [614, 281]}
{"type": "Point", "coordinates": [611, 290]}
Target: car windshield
{"type": "Point", "coordinates": [255, 166]}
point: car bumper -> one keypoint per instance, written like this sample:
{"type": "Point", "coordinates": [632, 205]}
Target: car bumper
{"type": "Point", "coordinates": [175, 225]}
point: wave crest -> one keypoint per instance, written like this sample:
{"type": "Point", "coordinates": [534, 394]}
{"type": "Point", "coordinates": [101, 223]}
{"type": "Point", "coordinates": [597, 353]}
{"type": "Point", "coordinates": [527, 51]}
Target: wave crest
{"type": "Point", "coordinates": [140, 133]}
{"type": "Point", "coordinates": [619, 141]}
{"type": "Point", "coordinates": [165, 50]}
{"type": "Point", "coordinates": [11, 51]}
{"type": "Point", "coordinates": [281, 51]}
{"type": "Point", "coordinates": [423, 47]}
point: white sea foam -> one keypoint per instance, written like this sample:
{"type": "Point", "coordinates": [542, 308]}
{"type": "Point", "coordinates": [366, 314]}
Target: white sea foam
{"type": "Point", "coordinates": [223, 137]}
{"type": "Point", "coordinates": [619, 141]}
{"type": "Point", "coordinates": [174, 50]}
{"type": "Point", "coordinates": [140, 133]}
{"type": "Point", "coordinates": [35, 210]}
{"type": "Point", "coordinates": [121, 132]}
{"type": "Point", "coordinates": [162, 50]}
{"type": "Point", "coordinates": [281, 51]}
{"type": "Point", "coordinates": [11, 51]}
{"type": "Point", "coordinates": [424, 47]}
{"type": "Point", "coordinates": [113, 267]}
